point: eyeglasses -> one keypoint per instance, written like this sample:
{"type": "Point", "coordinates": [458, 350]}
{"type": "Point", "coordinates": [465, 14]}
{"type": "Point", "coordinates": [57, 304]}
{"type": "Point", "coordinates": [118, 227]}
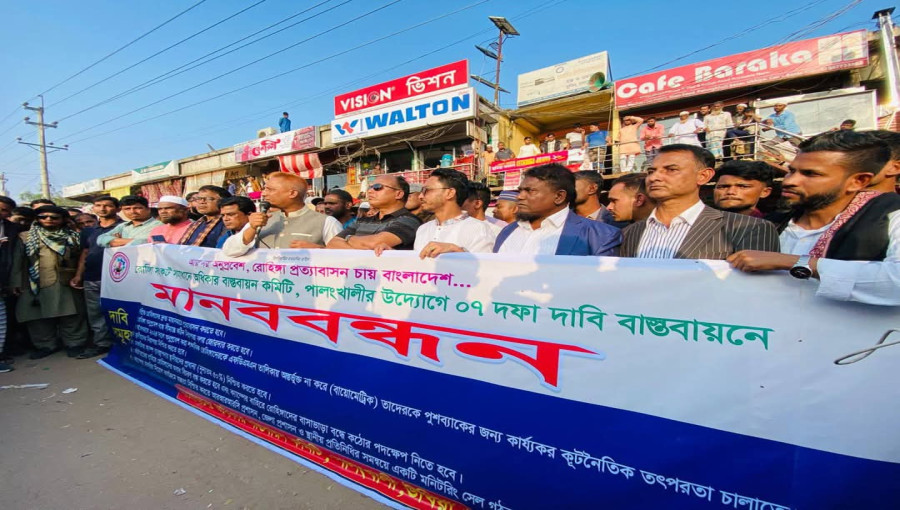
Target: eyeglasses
{"type": "Point", "coordinates": [378, 187]}
{"type": "Point", "coordinates": [204, 199]}
{"type": "Point", "coordinates": [48, 217]}
{"type": "Point", "coordinates": [426, 190]}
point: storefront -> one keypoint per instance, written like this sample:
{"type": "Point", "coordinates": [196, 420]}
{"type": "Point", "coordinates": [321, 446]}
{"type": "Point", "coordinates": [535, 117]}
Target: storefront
{"type": "Point", "coordinates": [217, 168]}
{"type": "Point", "coordinates": [293, 152]}
{"type": "Point", "coordinates": [410, 125]}
{"type": "Point", "coordinates": [824, 81]}
{"type": "Point", "coordinates": [158, 180]}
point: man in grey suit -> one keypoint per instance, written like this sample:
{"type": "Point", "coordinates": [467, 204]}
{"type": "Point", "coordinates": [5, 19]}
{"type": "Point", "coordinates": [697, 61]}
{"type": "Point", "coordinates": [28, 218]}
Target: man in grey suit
{"type": "Point", "coordinates": [681, 226]}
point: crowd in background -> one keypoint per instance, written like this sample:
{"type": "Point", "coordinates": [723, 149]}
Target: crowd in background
{"type": "Point", "coordinates": [838, 208]}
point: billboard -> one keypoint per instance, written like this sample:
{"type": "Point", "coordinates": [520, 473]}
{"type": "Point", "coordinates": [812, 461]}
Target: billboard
{"type": "Point", "coordinates": [792, 60]}
{"type": "Point", "coordinates": [439, 79]}
{"type": "Point", "coordinates": [282, 143]}
{"type": "Point", "coordinates": [154, 172]}
{"type": "Point", "coordinates": [427, 111]}
{"type": "Point", "coordinates": [565, 79]}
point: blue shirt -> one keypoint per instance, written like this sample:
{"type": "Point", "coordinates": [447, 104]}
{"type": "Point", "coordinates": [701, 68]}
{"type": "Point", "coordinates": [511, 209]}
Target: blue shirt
{"type": "Point", "coordinates": [349, 222]}
{"type": "Point", "coordinates": [93, 262]}
{"type": "Point", "coordinates": [786, 121]}
{"type": "Point", "coordinates": [284, 124]}
{"type": "Point", "coordinates": [597, 138]}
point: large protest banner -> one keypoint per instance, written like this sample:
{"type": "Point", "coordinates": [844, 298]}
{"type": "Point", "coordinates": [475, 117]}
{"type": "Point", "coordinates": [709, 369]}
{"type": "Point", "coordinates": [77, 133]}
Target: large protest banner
{"type": "Point", "coordinates": [548, 382]}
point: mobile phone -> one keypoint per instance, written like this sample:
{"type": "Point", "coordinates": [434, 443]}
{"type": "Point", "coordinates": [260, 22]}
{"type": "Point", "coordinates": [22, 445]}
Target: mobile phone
{"type": "Point", "coordinates": [158, 239]}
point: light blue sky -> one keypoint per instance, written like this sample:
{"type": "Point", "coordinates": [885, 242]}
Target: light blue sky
{"type": "Point", "coordinates": [46, 42]}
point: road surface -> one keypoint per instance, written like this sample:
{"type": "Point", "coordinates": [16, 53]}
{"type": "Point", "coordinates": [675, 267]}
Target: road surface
{"type": "Point", "coordinates": [112, 444]}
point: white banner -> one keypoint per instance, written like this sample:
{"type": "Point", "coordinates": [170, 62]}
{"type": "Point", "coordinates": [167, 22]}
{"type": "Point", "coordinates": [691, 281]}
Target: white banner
{"type": "Point", "coordinates": [690, 341]}
{"type": "Point", "coordinates": [560, 80]}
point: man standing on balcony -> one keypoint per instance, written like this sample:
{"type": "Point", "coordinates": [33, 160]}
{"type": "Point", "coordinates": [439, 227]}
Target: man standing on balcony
{"type": "Point", "coordinates": [786, 123]}
{"type": "Point", "coordinates": [629, 147]}
{"type": "Point", "coordinates": [714, 125]}
{"type": "Point", "coordinates": [652, 135]}
{"type": "Point", "coordinates": [529, 149]}
{"type": "Point", "coordinates": [551, 144]}
{"type": "Point", "coordinates": [284, 123]}
{"type": "Point", "coordinates": [503, 153]}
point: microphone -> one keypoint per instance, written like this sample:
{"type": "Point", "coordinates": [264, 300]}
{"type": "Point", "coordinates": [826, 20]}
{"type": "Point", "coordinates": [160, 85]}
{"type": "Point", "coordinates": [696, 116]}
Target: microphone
{"type": "Point", "coordinates": [263, 208]}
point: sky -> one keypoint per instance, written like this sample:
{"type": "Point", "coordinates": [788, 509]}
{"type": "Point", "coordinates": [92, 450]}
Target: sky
{"type": "Point", "coordinates": [123, 103]}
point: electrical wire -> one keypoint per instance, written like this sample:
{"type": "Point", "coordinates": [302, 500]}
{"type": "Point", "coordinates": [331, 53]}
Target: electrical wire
{"type": "Point", "coordinates": [279, 75]}
{"type": "Point", "coordinates": [188, 66]}
{"type": "Point", "coordinates": [145, 34]}
{"type": "Point", "coordinates": [160, 52]}
{"type": "Point", "coordinates": [236, 69]}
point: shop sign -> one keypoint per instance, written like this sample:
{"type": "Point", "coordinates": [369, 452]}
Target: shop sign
{"type": "Point", "coordinates": [428, 111]}
{"type": "Point", "coordinates": [439, 79]}
{"type": "Point", "coordinates": [154, 172]}
{"type": "Point", "coordinates": [561, 157]}
{"type": "Point", "coordinates": [83, 188]}
{"type": "Point", "coordinates": [291, 141]}
{"type": "Point", "coordinates": [561, 80]}
{"type": "Point", "coordinates": [800, 58]}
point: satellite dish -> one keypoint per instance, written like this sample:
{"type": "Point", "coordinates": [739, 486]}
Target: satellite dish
{"type": "Point", "coordinates": [598, 82]}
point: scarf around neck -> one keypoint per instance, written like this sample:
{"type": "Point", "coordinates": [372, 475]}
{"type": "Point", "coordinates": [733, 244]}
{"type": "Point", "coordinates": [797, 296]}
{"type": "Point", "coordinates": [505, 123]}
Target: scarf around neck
{"type": "Point", "coordinates": [58, 241]}
{"type": "Point", "coordinates": [862, 198]}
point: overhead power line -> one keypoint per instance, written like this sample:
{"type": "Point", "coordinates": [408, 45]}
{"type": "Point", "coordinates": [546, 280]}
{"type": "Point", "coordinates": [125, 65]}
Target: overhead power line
{"type": "Point", "coordinates": [279, 75]}
{"type": "Point", "coordinates": [145, 34]}
{"type": "Point", "coordinates": [188, 67]}
{"type": "Point", "coordinates": [160, 52]}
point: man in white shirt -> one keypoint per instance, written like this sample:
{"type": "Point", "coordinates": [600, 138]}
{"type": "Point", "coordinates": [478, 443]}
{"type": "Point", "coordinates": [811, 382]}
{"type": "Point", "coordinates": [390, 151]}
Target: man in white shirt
{"type": "Point", "coordinates": [715, 124]}
{"type": "Point", "coordinates": [840, 232]}
{"type": "Point", "coordinates": [575, 138]}
{"type": "Point", "coordinates": [529, 149]}
{"type": "Point", "coordinates": [452, 229]}
{"type": "Point", "coordinates": [547, 226]}
{"type": "Point", "coordinates": [686, 130]}
{"type": "Point", "coordinates": [293, 226]}
{"type": "Point", "coordinates": [681, 226]}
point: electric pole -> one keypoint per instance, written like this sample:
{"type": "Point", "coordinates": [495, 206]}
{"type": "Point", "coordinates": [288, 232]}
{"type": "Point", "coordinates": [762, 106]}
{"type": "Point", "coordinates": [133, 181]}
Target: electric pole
{"type": "Point", "coordinates": [42, 144]}
{"type": "Point", "coordinates": [3, 191]}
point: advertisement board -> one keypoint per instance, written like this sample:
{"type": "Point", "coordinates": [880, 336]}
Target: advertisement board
{"type": "Point", "coordinates": [427, 111]}
{"type": "Point", "coordinates": [291, 141]}
{"type": "Point", "coordinates": [791, 60]}
{"type": "Point", "coordinates": [154, 172]}
{"type": "Point", "coordinates": [439, 79]}
{"type": "Point", "coordinates": [560, 80]}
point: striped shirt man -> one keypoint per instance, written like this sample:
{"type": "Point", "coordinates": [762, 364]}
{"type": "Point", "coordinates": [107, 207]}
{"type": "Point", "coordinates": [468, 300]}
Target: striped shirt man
{"type": "Point", "coordinates": [662, 242]}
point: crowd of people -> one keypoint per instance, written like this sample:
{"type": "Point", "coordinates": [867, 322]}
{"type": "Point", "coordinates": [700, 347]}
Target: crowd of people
{"type": "Point", "coordinates": [839, 208]}
{"type": "Point", "coordinates": [725, 134]}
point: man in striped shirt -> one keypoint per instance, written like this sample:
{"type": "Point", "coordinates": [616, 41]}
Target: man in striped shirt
{"type": "Point", "coordinates": [681, 226]}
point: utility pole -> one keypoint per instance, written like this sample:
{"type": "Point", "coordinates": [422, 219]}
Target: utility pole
{"type": "Point", "coordinates": [506, 31]}
{"type": "Point", "coordinates": [3, 191]}
{"type": "Point", "coordinates": [42, 144]}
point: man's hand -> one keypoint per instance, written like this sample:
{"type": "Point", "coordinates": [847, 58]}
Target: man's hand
{"type": "Point", "coordinates": [259, 219]}
{"type": "Point", "coordinates": [75, 282]}
{"type": "Point", "coordinates": [115, 243]}
{"type": "Point", "coordinates": [304, 245]}
{"type": "Point", "coordinates": [381, 248]}
{"type": "Point", "coordinates": [751, 261]}
{"type": "Point", "coordinates": [433, 249]}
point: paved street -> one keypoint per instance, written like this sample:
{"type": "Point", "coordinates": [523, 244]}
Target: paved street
{"type": "Point", "coordinates": [114, 445]}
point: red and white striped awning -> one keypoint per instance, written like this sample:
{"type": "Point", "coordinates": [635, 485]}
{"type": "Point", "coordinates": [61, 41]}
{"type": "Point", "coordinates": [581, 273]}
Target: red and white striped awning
{"type": "Point", "coordinates": [305, 165]}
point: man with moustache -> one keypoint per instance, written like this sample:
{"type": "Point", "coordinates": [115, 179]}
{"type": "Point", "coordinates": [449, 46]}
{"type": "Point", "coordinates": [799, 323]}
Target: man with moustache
{"type": "Point", "coordinates": [842, 233]}
{"type": "Point", "coordinates": [236, 213]}
{"type": "Point", "coordinates": [628, 199]}
{"type": "Point", "coordinates": [391, 226]}
{"type": "Point", "coordinates": [206, 231]}
{"type": "Point", "coordinates": [546, 225]}
{"type": "Point", "coordinates": [506, 207]}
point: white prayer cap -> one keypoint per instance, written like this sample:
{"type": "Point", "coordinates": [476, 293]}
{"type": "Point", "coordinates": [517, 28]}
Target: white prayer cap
{"type": "Point", "coordinates": [742, 104]}
{"type": "Point", "coordinates": [684, 113]}
{"type": "Point", "coordinates": [172, 199]}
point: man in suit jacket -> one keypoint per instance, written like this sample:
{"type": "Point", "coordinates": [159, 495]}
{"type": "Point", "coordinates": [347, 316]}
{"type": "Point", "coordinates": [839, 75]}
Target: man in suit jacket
{"type": "Point", "coordinates": [551, 144]}
{"type": "Point", "coordinates": [680, 226]}
{"type": "Point", "coordinates": [547, 226]}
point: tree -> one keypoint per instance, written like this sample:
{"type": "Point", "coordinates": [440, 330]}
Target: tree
{"type": "Point", "coordinates": [27, 196]}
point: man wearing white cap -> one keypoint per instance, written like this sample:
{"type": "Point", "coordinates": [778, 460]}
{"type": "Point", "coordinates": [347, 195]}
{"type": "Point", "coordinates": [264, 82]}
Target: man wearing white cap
{"type": "Point", "coordinates": [686, 130]}
{"type": "Point", "coordinates": [173, 213]}
{"type": "Point", "coordinates": [737, 118]}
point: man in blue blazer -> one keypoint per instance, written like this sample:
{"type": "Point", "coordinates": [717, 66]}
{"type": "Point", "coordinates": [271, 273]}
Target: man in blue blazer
{"type": "Point", "coordinates": [545, 223]}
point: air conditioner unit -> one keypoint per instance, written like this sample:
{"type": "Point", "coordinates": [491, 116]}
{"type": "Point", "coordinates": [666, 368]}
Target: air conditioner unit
{"type": "Point", "coordinates": [264, 132]}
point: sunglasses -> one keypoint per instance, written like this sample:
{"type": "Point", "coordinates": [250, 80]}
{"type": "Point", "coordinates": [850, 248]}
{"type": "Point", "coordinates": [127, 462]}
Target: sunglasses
{"type": "Point", "coordinates": [378, 187]}
{"type": "Point", "coordinates": [48, 217]}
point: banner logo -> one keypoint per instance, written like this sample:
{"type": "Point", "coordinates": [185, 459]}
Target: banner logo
{"type": "Point", "coordinates": [119, 266]}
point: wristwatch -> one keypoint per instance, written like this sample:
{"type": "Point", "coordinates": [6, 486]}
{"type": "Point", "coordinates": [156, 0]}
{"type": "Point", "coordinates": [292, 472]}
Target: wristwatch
{"type": "Point", "coordinates": [801, 269]}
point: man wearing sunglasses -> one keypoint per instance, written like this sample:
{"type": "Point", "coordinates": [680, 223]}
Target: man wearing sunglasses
{"type": "Point", "coordinates": [393, 226]}
{"type": "Point", "coordinates": [44, 263]}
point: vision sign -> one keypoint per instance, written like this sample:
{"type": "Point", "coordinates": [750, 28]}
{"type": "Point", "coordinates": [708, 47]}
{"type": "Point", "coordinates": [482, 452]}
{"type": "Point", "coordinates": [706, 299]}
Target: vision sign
{"type": "Point", "coordinates": [792, 60]}
{"type": "Point", "coordinates": [438, 79]}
